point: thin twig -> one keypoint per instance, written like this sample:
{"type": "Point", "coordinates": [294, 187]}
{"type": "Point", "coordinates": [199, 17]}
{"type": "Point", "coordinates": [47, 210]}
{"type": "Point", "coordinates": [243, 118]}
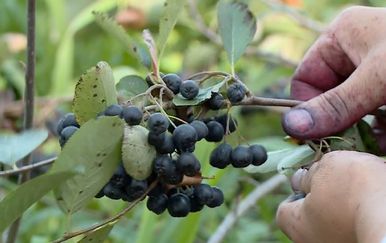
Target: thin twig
{"type": "Point", "coordinates": [29, 101]}
{"type": "Point", "coordinates": [247, 203]}
{"type": "Point", "coordinates": [263, 101]}
{"type": "Point", "coordinates": [68, 236]}
{"type": "Point", "coordinates": [28, 167]}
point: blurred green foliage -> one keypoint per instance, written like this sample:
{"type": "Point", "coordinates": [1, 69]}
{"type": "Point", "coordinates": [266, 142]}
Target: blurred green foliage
{"type": "Point", "coordinates": [69, 42]}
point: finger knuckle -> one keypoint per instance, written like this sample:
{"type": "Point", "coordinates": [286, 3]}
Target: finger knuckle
{"type": "Point", "coordinates": [335, 106]}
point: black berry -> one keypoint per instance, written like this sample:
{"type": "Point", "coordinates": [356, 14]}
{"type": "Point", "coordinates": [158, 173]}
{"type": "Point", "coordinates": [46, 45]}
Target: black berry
{"type": "Point", "coordinates": [112, 192]}
{"type": "Point", "coordinates": [179, 205]}
{"type": "Point", "coordinates": [217, 198]}
{"type": "Point", "coordinates": [223, 120]}
{"type": "Point", "coordinates": [203, 193]}
{"type": "Point", "coordinates": [201, 129]}
{"type": "Point", "coordinates": [216, 131]}
{"type": "Point", "coordinates": [113, 110]}
{"type": "Point", "coordinates": [184, 137]}
{"type": "Point", "coordinates": [157, 204]}
{"type": "Point", "coordinates": [99, 194]}
{"type": "Point", "coordinates": [70, 120]}
{"type": "Point", "coordinates": [132, 115]}
{"type": "Point", "coordinates": [195, 205]}
{"type": "Point", "coordinates": [236, 92]}
{"type": "Point", "coordinates": [241, 157]}
{"type": "Point", "coordinates": [189, 89]}
{"type": "Point", "coordinates": [188, 164]}
{"type": "Point", "coordinates": [157, 123]}
{"type": "Point", "coordinates": [120, 178]}
{"type": "Point", "coordinates": [173, 82]}
{"type": "Point", "coordinates": [156, 139]}
{"type": "Point", "coordinates": [163, 164]}
{"type": "Point", "coordinates": [259, 154]}
{"type": "Point", "coordinates": [67, 132]}
{"type": "Point", "coordinates": [221, 156]}
{"type": "Point", "coordinates": [167, 145]}
{"type": "Point", "coordinates": [216, 101]}
{"type": "Point", "coordinates": [134, 190]}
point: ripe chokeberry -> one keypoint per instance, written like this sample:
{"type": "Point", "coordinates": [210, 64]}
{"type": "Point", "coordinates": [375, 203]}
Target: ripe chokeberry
{"type": "Point", "coordinates": [216, 132]}
{"type": "Point", "coordinates": [132, 115]}
{"type": "Point", "coordinates": [189, 89]}
{"type": "Point", "coordinates": [217, 198]}
{"type": "Point", "coordinates": [179, 205]}
{"type": "Point", "coordinates": [241, 157]}
{"type": "Point", "coordinates": [113, 110]}
{"type": "Point", "coordinates": [203, 193]}
{"type": "Point", "coordinates": [157, 123]}
{"type": "Point", "coordinates": [259, 154]}
{"type": "Point", "coordinates": [236, 92]}
{"type": "Point", "coordinates": [167, 145]}
{"type": "Point", "coordinates": [216, 101]}
{"type": "Point", "coordinates": [201, 129]}
{"type": "Point", "coordinates": [156, 139]}
{"type": "Point", "coordinates": [221, 156]}
{"type": "Point", "coordinates": [67, 132]}
{"type": "Point", "coordinates": [157, 204]}
{"type": "Point", "coordinates": [112, 192]}
{"type": "Point", "coordinates": [223, 120]}
{"type": "Point", "coordinates": [184, 137]}
{"type": "Point", "coordinates": [134, 190]}
{"type": "Point", "coordinates": [120, 178]}
{"type": "Point", "coordinates": [70, 120]}
{"type": "Point", "coordinates": [173, 82]}
{"type": "Point", "coordinates": [188, 164]}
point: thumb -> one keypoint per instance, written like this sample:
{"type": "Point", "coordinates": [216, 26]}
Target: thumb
{"type": "Point", "coordinates": [340, 107]}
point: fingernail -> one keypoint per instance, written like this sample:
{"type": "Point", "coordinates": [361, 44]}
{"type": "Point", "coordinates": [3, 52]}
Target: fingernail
{"type": "Point", "coordinates": [298, 121]}
{"type": "Point", "coordinates": [296, 179]}
{"type": "Point", "coordinates": [295, 197]}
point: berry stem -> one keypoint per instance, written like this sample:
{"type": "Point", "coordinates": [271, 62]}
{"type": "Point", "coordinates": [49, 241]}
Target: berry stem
{"type": "Point", "coordinates": [28, 167]}
{"type": "Point", "coordinates": [208, 74]}
{"type": "Point", "coordinates": [113, 219]}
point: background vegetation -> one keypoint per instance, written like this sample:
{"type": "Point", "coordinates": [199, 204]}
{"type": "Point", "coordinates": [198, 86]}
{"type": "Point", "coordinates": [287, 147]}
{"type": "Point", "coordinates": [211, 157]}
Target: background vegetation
{"type": "Point", "coordinates": [69, 41]}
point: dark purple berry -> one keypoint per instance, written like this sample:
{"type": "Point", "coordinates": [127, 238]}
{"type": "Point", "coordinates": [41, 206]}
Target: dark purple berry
{"type": "Point", "coordinates": [134, 190]}
{"type": "Point", "coordinates": [195, 205]}
{"type": "Point", "coordinates": [70, 120]}
{"type": "Point", "coordinates": [203, 193]}
{"type": "Point", "coordinates": [217, 198]}
{"type": "Point", "coordinates": [184, 137]}
{"type": "Point", "coordinates": [236, 92]}
{"type": "Point", "coordinates": [201, 129]}
{"type": "Point", "coordinates": [173, 82]}
{"type": "Point", "coordinates": [188, 164]}
{"type": "Point", "coordinates": [189, 89]}
{"type": "Point", "coordinates": [221, 156]}
{"type": "Point", "coordinates": [99, 194]}
{"type": "Point", "coordinates": [179, 205]}
{"type": "Point", "coordinates": [223, 120]}
{"type": "Point", "coordinates": [67, 132]}
{"type": "Point", "coordinates": [112, 192]}
{"type": "Point", "coordinates": [215, 132]}
{"type": "Point", "coordinates": [241, 157]}
{"type": "Point", "coordinates": [157, 123]}
{"type": "Point", "coordinates": [120, 178]}
{"type": "Point", "coordinates": [156, 139]}
{"type": "Point", "coordinates": [132, 115]}
{"type": "Point", "coordinates": [216, 101]}
{"type": "Point", "coordinates": [259, 154]}
{"type": "Point", "coordinates": [167, 145]}
{"type": "Point", "coordinates": [113, 110]}
{"type": "Point", "coordinates": [157, 204]}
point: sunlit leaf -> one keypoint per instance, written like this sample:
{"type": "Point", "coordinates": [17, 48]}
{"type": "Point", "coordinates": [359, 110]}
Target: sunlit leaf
{"type": "Point", "coordinates": [94, 92]}
{"type": "Point", "coordinates": [96, 147]}
{"type": "Point", "coordinates": [237, 26]}
{"type": "Point", "coordinates": [284, 160]}
{"type": "Point", "coordinates": [130, 86]}
{"type": "Point", "coordinates": [203, 95]}
{"type": "Point", "coordinates": [172, 9]}
{"type": "Point", "coordinates": [19, 200]}
{"type": "Point", "coordinates": [137, 153]}
{"type": "Point", "coordinates": [99, 235]}
{"type": "Point", "coordinates": [14, 147]}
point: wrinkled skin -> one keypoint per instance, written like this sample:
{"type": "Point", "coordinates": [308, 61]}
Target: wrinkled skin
{"type": "Point", "coordinates": [345, 201]}
{"type": "Point", "coordinates": [341, 79]}
{"type": "Point", "coordinates": [342, 76]}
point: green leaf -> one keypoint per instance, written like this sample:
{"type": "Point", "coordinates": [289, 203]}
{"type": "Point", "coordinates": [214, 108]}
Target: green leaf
{"type": "Point", "coordinates": [14, 147]}
{"type": "Point", "coordinates": [368, 138]}
{"type": "Point", "coordinates": [96, 149]}
{"type": "Point", "coordinates": [137, 153]}
{"type": "Point", "coordinates": [284, 160]}
{"type": "Point", "coordinates": [349, 139]}
{"type": "Point", "coordinates": [237, 26]}
{"type": "Point", "coordinates": [98, 235]}
{"type": "Point", "coordinates": [172, 9]}
{"type": "Point", "coordinates": [130, 86]}
{"type": "Point", "coordinates": [203, 95]}
{"type": "Point", "coordinates": [132, 45]}
{"type": "Point", "coordinates": [19, 200]}
{"type": "Point", "coordinates": [94, 92]}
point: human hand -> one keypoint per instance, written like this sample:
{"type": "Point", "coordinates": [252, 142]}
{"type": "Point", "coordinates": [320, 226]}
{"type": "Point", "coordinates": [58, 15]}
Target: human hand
{"type": "Point", "coordinates": [342, 76]}
{"type": "Point", "coordinates": [344, 202]}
